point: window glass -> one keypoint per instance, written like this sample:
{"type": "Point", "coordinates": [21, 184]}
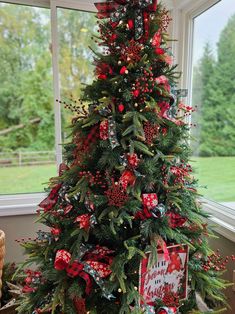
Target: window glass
{"type": "Point", "coordinates": [213, 95]}
{"type": "Point", "coordinates": [75, 29]}
{"type": "Point", "coordinates": [27, 154]}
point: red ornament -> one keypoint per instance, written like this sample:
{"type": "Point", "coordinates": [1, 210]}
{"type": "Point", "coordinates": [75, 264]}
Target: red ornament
{"type": "Point", "coordinates": [127, 178]}
{"type": "Point", "coordinates": [104, 128]}
{"type": "Point", "coordinates": [121, 108]}
{"type": "Point", "coordinates": [136, 93]}
{"type": "Point", "coordinates": [159, 51]}
{"type": "Point", "coordinates": [130, 24]}
{"type": "Point", "coordinates": [102, 76]}
{"type": "Point", "coordinates": [55, 231]}
{"type": "Point", "coordinates": [113, 37]}
{"type": "Point", "coordinates": [124, 70]}
{"type": "Point", "coordinates": [84, 221]}
{"type": "Point", "coordinates": [62, 259]}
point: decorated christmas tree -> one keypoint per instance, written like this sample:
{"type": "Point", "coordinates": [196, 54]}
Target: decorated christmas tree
{"type": "Point", "coordinates": [126, 233]}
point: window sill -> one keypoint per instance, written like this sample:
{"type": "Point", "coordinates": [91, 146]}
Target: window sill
{"type": "Point", "coordinates": [221, 217]}
{"type": "Point", "coordinates": [20, 204]}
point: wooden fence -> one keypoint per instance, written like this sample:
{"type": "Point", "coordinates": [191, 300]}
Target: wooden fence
{"type": "Point", "coordinates": [25, 158]}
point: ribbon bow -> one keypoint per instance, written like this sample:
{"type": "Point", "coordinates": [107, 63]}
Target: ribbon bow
{"type": "Point", "coordinates": [95, 263]}
{"type": "Point", "coordinates": [118, 9]}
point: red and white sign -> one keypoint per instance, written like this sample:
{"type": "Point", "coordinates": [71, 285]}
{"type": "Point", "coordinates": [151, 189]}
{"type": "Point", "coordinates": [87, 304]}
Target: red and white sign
{"type": "Point", "coordinates": [168, 275]}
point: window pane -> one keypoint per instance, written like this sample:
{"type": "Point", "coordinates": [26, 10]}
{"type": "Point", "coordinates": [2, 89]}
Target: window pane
{"type": "Point", "coordinates": [27, 157]}
{"type": "Point", "coordinates": [213, 93]}
{"type": "Point", "coordinates": [75, 30]}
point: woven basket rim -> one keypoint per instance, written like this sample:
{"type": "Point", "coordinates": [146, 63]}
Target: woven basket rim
{"type": "Point", "coordinates": [2, 237]}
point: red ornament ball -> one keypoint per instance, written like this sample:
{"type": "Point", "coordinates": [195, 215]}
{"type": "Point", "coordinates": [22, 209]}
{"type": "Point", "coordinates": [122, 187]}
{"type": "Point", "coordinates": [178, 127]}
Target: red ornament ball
{"type": "Point", "coordinates": [136, 93]}
{"type": "Point", "coordinates": [102, 76]}
{"type": "Point", "coordinates": [124, 70]}
{"type": "Point", "coordinates": [121, 108]}
{"type": "Point", "coordinates": [130, 24]}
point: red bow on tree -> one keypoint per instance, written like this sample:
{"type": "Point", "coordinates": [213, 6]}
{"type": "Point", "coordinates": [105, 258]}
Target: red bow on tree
{"type": "Point", "coordinates": [117, 10]}
{"type": "Point", "coordinates": [48, 203]}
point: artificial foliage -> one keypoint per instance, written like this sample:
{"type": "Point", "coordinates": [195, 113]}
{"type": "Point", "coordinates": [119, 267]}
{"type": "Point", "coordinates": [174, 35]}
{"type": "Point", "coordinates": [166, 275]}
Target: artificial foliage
{"type": "Point", "coordinates": [126, 187]}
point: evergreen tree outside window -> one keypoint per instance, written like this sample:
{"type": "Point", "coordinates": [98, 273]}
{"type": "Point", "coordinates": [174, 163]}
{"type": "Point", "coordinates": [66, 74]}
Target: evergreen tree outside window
{"type": "Point", "coordinates": [213, 95]}
{"type": "Point", "coordinates": [75, 57]}
{"type": "Point", "coordinates": [27, 141]}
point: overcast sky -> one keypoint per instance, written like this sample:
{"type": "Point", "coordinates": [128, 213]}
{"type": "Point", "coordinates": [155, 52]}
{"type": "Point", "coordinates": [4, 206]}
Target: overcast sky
{"type": "Point", "coordinates": [209, 25]}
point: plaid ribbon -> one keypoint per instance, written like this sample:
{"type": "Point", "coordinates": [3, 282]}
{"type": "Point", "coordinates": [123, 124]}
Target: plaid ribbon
{"type": "Point", "coordinates": [117, 10]}
{"type": "Point", "coordinates": [95, 263]}
{"type": "Point", "coordinates": [49, 202]}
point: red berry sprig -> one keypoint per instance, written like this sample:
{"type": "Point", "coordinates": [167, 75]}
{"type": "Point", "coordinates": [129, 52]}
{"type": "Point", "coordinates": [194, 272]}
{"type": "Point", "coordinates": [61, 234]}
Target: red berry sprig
{"type": "Point", "coordinates": [216, 262]}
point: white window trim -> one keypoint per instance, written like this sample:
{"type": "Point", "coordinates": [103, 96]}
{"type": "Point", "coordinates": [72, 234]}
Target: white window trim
{"type": "Point", "coordinates": [26, 204]}
{"type": "Point", "coordinates": [20, 204]}
{"type": "Point", "coordinates": [221, 217]}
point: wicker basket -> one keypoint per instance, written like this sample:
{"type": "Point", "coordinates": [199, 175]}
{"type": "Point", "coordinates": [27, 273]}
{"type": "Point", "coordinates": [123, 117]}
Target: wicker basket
{"type": "Point", "coordinates": [2, 254]}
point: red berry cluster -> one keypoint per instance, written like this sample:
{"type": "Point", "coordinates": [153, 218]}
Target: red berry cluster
{"type": "Point", "coordinates": [94, 179]}
{"type": "Point", "coordinates": [144, 84]}
{"type": "Point", "coordinates": [180, 172]}
{"type": "Point", "coordinates": [31, 281]}
{"type": "Point", "coordinates": [150, 132]}
{"type": "Point", "coordinates": [216, 262]}
{"type": "Point", "coordinates": [83, 145]}
{"type": "Point", "coordinates": [131, 52]}
{"type": "Point", "coordinates": [116, 195]}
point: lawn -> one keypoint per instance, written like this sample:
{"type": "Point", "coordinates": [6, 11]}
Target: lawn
{"type": "Point", "coordinates": [25, 179]}
{"type": "Point", "coordinates": [217, 173]}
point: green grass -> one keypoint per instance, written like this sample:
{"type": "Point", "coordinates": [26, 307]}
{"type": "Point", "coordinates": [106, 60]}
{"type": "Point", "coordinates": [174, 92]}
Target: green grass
{"type": "Point", "coordinates": [217, 173]}
{"type": "Point", "coordinates": [25, 179]}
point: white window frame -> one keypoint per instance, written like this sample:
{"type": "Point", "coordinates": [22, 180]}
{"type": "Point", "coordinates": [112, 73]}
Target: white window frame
{"type": "Point", "coordinates": [26, 204]}
{"type": "Point", "coordinates": [222, 217]}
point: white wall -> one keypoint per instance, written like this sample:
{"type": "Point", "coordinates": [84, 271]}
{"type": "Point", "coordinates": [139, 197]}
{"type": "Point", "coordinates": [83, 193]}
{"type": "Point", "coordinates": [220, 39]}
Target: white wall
{"type": "Point", "coordinates": [17, 227]}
